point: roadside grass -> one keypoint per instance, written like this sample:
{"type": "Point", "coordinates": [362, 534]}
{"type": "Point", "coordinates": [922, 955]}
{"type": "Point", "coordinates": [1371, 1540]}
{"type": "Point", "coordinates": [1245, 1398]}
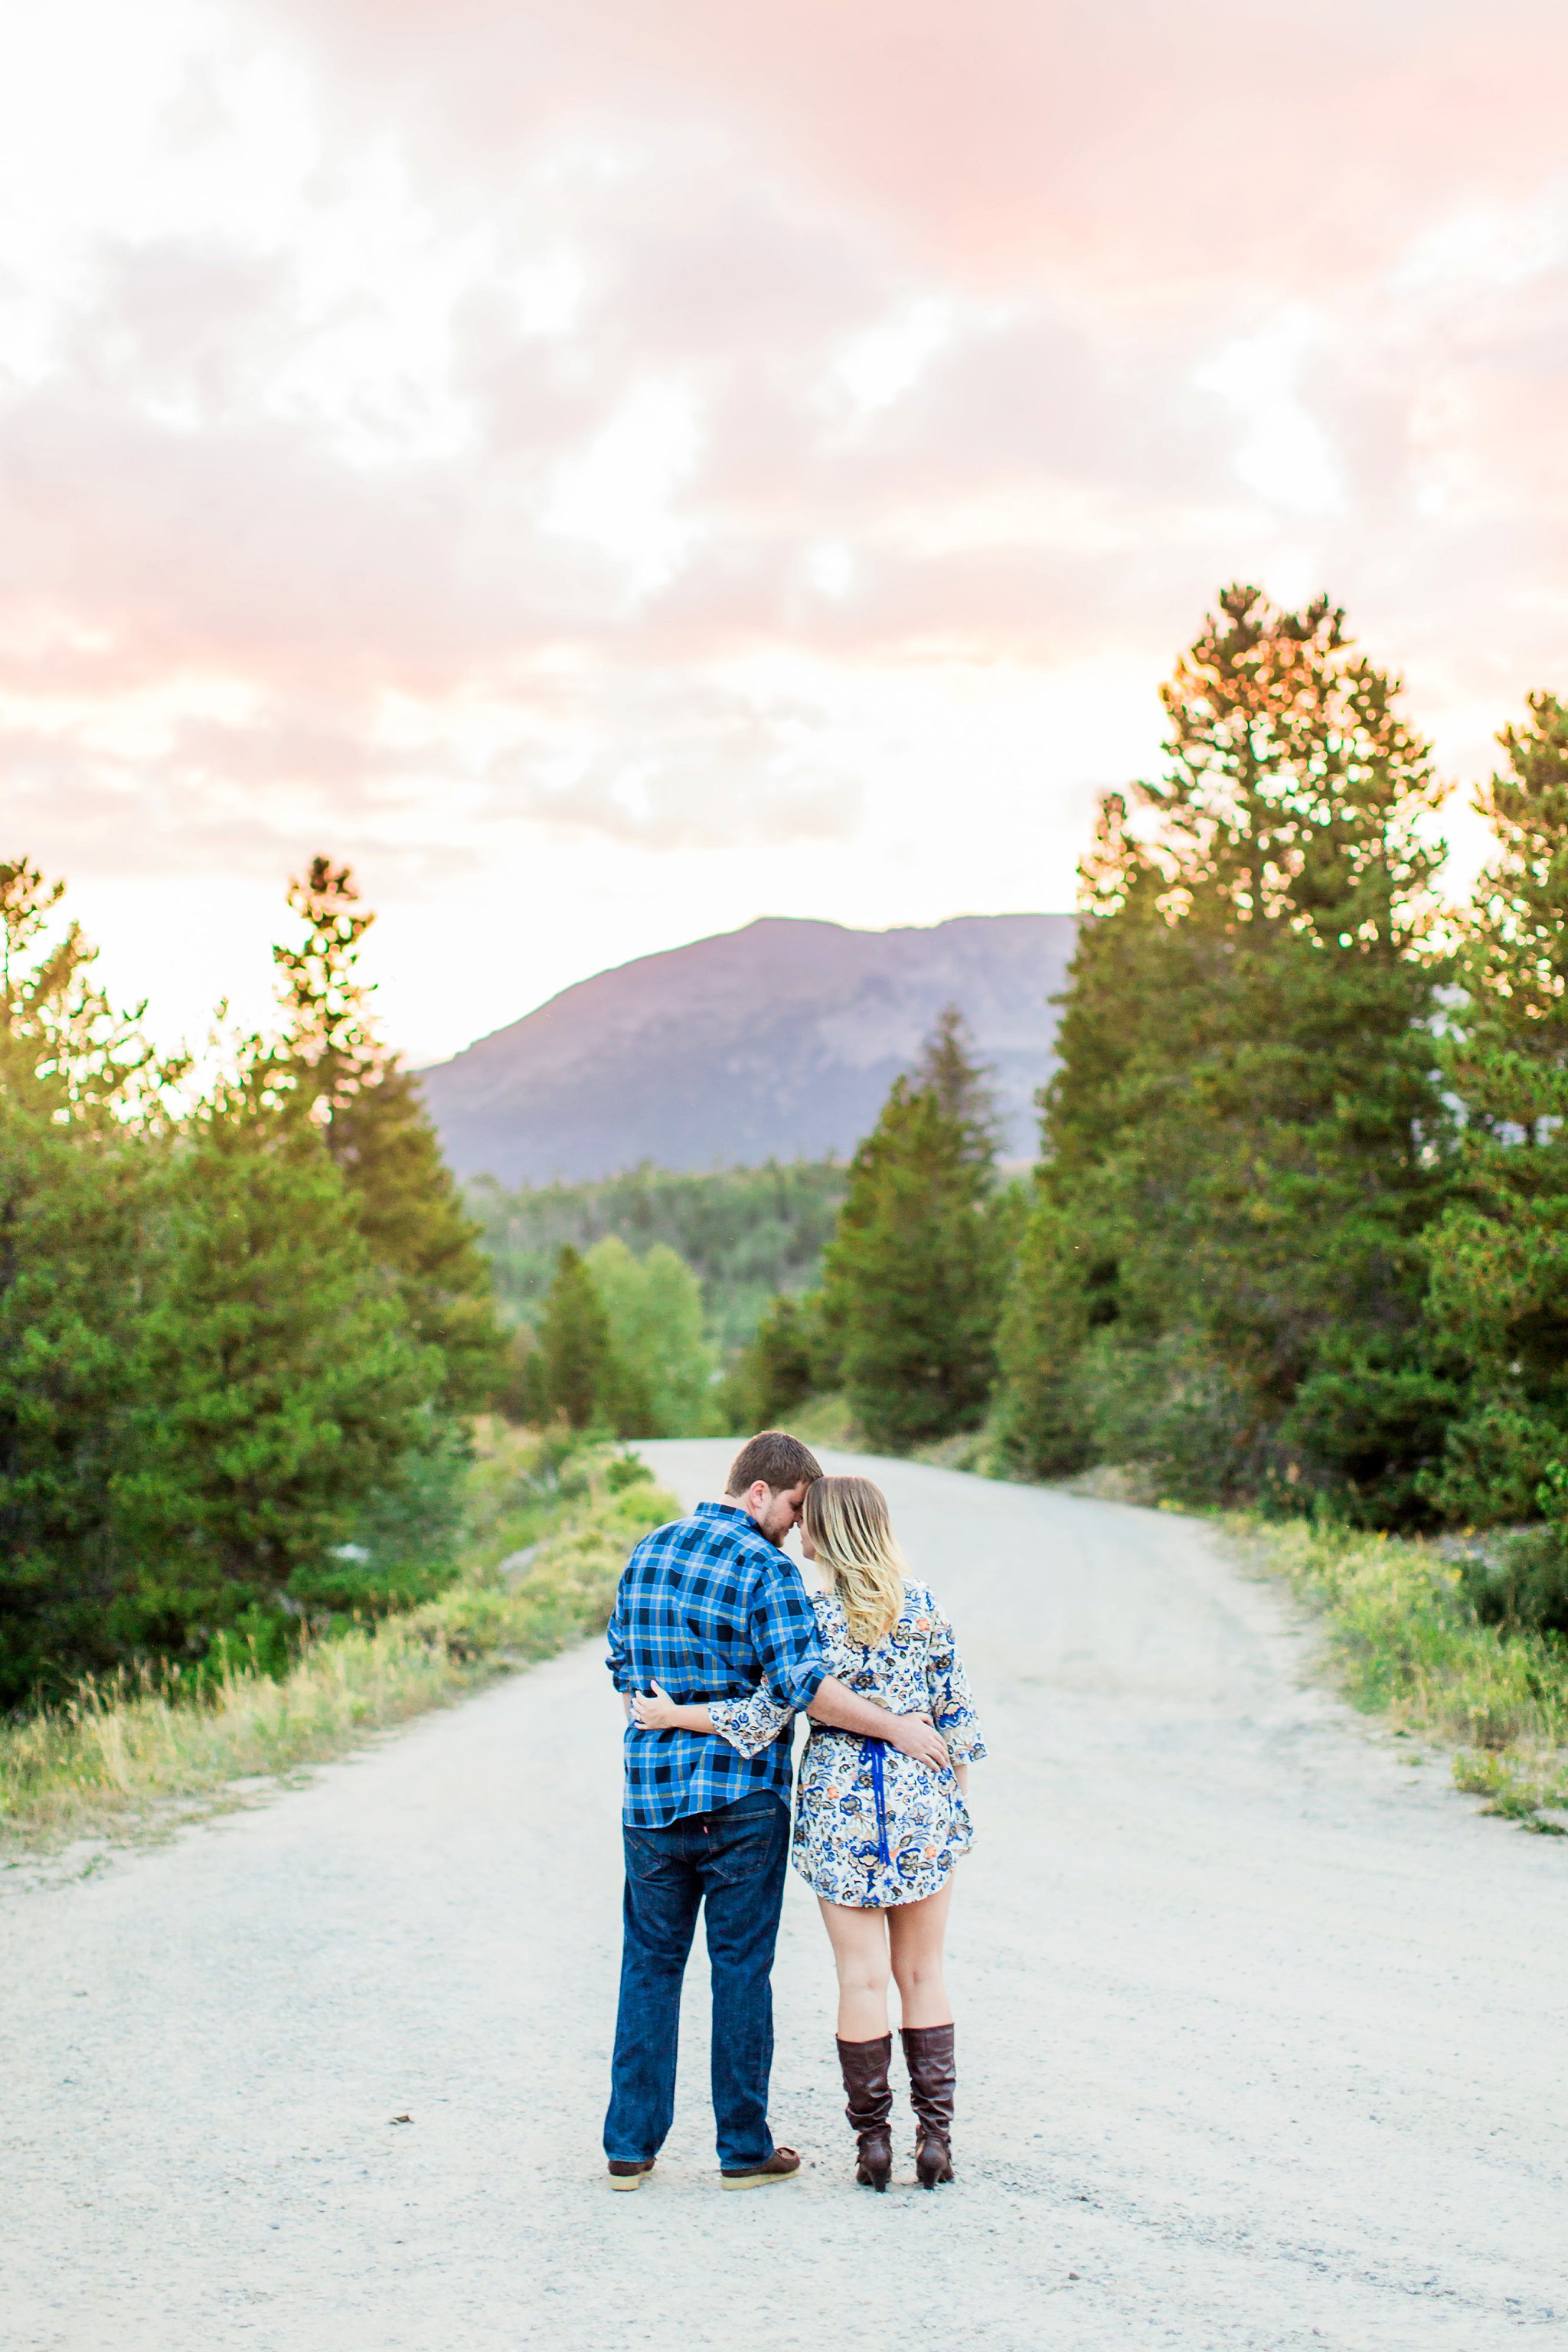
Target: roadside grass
{"type": "Point", "coordinates": [1404, 1641]}
{"type": "Point", "coordinates": [131, 1754]}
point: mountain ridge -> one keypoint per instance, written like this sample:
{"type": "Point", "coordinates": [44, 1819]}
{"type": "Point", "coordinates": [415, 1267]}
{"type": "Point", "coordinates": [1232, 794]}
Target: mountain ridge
{"type": "Point", "coordinates": [776, 1040]}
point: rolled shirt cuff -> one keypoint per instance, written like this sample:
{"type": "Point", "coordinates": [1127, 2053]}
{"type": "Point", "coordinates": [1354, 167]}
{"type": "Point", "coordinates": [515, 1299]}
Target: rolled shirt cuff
{"type": "Point", "coordinates": [799, 1688]}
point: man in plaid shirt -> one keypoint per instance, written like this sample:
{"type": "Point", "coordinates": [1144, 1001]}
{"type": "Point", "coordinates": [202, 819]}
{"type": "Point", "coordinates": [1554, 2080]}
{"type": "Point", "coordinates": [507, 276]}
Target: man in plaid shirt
{"type": "Point", "coordinates": [709, 1607]}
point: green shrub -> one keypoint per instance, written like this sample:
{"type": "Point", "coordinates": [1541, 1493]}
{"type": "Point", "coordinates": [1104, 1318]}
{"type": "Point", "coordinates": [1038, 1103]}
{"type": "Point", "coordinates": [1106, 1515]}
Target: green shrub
{"type": "Point", "coordinates": [1406, 1640]}
{"type": "Point", "coordinates": [150, 1744]}
{"type": "Point", "coordinates": [1521, 1580]}
{"type": "Point", "coordinates": [1514, 1793]}
{"type": "Point", "coordinates": [1177, 1412]}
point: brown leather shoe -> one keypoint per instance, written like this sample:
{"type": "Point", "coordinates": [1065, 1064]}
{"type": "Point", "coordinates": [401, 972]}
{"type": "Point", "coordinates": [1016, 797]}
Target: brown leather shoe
{"type": "Point", "coordinates": [783, 2164]}
{"type": "Point", "coordinates": [933, 2079]}
{"type": "Point", "coordinates": [864, 2066]}
{"type": "Point", "coordinates": [630, 2176]}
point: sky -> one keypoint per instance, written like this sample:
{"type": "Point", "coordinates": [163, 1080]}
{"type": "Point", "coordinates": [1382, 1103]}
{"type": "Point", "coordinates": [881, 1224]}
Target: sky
{"type": "Point", "coordinates": [614, 468]}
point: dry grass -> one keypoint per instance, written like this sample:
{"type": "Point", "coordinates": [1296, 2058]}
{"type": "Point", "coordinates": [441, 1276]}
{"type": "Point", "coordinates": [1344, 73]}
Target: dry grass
{"type": "Point", "coordinates": [1405, 1642]}
{"type": "Point", "coordinates": [129, 1755]}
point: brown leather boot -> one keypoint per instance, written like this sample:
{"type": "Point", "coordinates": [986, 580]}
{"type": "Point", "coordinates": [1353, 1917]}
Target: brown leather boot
{"type": "Point", "coordinates": [933, 2078]}
{"type": "Point", "coordinates": [864, 2066]}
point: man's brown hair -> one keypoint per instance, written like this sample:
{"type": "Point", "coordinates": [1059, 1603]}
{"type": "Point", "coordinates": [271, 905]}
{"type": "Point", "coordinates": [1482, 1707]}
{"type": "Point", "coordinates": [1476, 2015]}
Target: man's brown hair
{"type": "Point", "coordinates": [779, 1460]}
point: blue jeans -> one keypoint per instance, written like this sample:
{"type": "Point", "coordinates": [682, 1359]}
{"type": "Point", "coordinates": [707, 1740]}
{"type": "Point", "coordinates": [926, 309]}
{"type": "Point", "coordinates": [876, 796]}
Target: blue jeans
{"type": "Point", "coordinates": [732, 1861]}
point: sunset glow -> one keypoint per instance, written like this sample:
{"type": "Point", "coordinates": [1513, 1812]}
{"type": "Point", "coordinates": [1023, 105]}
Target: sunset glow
{"type": "Point", "coordinates": [613, 471]}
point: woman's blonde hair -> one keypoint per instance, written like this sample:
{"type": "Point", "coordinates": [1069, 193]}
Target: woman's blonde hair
{"type": "Point", "coordinates": [848, 1521]}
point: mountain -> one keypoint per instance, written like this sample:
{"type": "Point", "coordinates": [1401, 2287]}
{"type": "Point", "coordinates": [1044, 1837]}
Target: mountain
{"type": "Point", "coordinates": [778, 1041]}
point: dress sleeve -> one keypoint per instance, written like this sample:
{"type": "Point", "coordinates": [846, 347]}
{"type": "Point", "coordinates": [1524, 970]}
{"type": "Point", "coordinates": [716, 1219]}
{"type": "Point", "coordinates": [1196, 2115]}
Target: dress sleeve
{"type": "Point", "coordinates": [750, 1724]}
{"type": "Point", "coordinates": [947, 1687]}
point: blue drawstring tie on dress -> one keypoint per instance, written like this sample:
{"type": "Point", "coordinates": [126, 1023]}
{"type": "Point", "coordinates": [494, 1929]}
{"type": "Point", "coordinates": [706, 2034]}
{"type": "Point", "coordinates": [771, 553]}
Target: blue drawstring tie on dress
{"type": "Point", "coordinates": [878, 1748]}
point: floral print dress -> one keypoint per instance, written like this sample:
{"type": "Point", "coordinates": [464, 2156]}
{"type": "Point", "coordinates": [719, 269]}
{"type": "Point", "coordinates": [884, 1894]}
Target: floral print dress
{"type": "Point", "coordinates": [872, 1827]}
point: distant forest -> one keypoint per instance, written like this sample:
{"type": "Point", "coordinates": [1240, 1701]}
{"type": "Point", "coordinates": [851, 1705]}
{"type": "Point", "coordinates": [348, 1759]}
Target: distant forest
{"type": "Point", "coordinates": [747, 1233]}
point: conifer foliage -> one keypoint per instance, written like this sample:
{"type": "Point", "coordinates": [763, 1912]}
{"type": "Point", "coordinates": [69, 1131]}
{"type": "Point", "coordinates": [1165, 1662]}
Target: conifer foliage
{"type": "Point", "coordinates": [1222, 1274]}
{"type": "Point", "coordinates": [368, 1110]}
{"type": "Point", "coordinates": [580, 1374]}
{"type": "Point", "coordinates": [236, 1323]}
{"type": "Point", "coordinates": [79, 1185]}
{"type": "Point", "coordinates": [1299, 1231]}
{"type": "Point", "coordinates": [781, 1366]}
{"type": "Point", "coordinates": [277, 1383]}
{"type": "Point", "coordinates": [1497, 1307]}
{"type": "Point", "coordinates": [912, 1277]}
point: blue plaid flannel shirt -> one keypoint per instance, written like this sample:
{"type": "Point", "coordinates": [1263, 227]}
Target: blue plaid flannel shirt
{"type": "Point", "coordinates": [708, 1608]}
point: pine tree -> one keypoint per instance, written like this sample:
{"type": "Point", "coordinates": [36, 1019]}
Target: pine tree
{"type": "Point", "coordinates": [78, 1184]}
{"type": "Point", "coordinates": [278, 1391]}
{"type": "Point", "coordinates": [946, 1069]}
{"type": "Point", "coordinates": [1241, 1147]}
{"type": "Point", "coordinates": [380, 1136]}
{"type": "Point", "coordinates": [778, 1368]}
{"type": "Point", "coordinates": [912, 1277]}
{"type": "Point", "coordinates": [1498, 1300]}
{"type": "Point", "coordinates": [580, 1369]}
{"type": "Point", "coordinates": [62, 1045]}
{"type": "Point", "coordinates": [205, 1381]}
{"type": "Point", "coordinates": [72, 1217]}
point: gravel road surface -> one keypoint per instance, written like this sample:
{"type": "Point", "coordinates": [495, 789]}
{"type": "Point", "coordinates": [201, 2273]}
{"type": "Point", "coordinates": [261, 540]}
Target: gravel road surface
{"type": "Point", "coordinates": [1261, 2028]}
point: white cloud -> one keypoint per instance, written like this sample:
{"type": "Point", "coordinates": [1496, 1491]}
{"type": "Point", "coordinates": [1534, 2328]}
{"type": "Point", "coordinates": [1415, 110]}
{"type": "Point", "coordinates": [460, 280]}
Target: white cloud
{"type": "Point", "coordinates": [620, 497]}
{"type": "Point", "coordinates": [1283, 454]}
{"type": "Point", "coordinates": [880, 364]}
{"type": "Point", "coordinates": [830, 568]}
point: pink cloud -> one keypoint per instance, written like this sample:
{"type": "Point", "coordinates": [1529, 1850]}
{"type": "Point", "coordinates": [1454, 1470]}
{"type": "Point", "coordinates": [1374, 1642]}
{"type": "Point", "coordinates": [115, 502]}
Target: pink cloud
{"type": "Point", "coordinates": [1205, 140]}
{"type": "Point", "coordinates": [1205, 291]}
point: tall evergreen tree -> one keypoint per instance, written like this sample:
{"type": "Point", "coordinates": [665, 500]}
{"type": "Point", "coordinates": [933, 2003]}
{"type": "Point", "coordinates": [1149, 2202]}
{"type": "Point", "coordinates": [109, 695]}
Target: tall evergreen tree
{"type": "Point", "coordinates": [1241, 1147]}
{"type": "Point", "coordinates": [912, 1277]}
{"type": "Point", "coordinates": [77, 1182]}
{"type": "Point", "coordinates": [71, 1263]}
{"type": "Point", "coordinates": [1499, 1301]}
{"type": "Point", "coordinates": [278, 1389]}
{"type": "Point", "coordinates": [375, 1127]}
{"type": "Point", "coordinates": [580, 1369]}
{"type": "Point", "coordinates": [205, 1381]}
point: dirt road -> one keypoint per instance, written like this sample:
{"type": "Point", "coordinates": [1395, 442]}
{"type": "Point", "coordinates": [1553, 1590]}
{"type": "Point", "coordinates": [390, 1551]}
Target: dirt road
{"type": "Point", "coordinates": [1262, 2029]}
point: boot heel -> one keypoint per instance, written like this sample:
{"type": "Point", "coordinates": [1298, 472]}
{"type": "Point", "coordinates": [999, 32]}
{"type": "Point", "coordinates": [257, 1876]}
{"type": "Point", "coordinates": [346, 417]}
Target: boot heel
{"type": "Point", "coordinates": [934, 2082]}
{"type": "Point", "coordinates": [864, 2066]}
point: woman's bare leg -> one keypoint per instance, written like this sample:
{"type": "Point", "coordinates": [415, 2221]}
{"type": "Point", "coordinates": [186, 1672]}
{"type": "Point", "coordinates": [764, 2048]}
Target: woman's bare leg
{"type": "Point", "coordinates": [859, 1941]}
{"type": "Point", "coordinates": [915, 1933]}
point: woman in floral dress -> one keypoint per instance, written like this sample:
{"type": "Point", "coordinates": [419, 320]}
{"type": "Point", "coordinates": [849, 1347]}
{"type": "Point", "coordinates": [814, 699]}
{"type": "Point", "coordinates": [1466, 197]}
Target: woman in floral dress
{"type": "Point", "coordinates": [876, 1833]}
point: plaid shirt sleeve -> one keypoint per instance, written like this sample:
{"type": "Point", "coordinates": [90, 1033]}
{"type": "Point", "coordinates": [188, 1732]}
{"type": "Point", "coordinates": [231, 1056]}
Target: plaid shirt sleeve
{"type": "Point", "coordinates": [786, 1634]}
{"type": "Point", "coordinates": [615, 1634]}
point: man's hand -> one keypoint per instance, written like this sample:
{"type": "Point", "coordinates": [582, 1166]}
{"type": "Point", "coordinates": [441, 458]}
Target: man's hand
{"type": "Point", "coordinates": [657, 1713]}
{"type": "Point", "coordinates": [917, 1735]}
